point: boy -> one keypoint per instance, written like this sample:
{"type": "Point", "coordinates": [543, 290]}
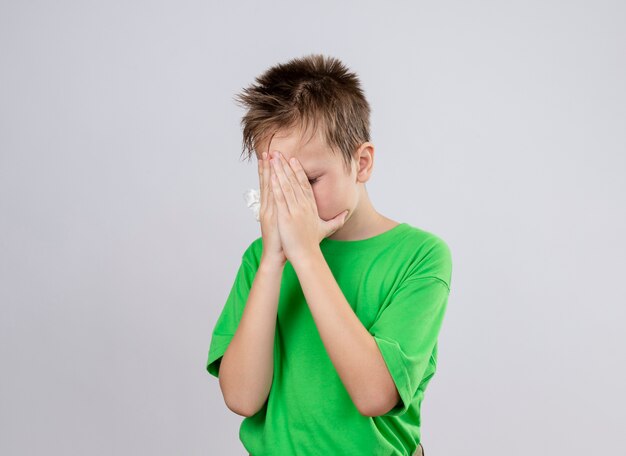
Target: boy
{"type": "Point", "coordinates": [328, 337]}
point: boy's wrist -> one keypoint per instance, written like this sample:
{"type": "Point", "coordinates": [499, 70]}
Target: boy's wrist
{"type": "Point", "coordinates": [271, 263]}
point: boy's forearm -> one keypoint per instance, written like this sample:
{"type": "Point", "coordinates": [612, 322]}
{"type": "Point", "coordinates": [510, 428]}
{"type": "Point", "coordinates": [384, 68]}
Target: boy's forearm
{"type": "Point", "coordinates": [351, 348]}
{"type": "Point", "coordinates": [247, 367]}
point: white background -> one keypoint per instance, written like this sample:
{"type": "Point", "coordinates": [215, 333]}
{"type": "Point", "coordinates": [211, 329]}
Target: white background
{"type": "Point", "coordinates": [499, 126]}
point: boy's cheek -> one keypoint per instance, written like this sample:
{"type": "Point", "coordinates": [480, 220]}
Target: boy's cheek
{"type": "Point", "coordinates": [326, 209]}
{"type": "Point", "coordinates": [321, 211]}
{"type": "Point", "coordinates": [329, 201]}
{"type": "Point", "coordinates": [321, 199]}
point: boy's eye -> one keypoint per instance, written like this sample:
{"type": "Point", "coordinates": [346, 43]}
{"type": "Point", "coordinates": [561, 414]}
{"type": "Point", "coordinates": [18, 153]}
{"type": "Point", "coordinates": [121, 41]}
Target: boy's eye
{"type": "Point", "coordinates": [312, 181]}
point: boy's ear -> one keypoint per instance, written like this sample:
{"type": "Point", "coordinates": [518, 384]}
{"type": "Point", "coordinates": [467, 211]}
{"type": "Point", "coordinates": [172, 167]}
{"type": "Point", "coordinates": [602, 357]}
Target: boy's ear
{"type": "Point", "coordinates": [365, 161]}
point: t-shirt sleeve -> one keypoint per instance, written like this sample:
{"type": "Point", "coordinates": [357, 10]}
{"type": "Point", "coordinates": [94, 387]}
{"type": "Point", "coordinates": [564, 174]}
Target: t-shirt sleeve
{"type": "Point", "coordinates": [228, 321]}
{"type": "Point", "coordinates": [407, 329]}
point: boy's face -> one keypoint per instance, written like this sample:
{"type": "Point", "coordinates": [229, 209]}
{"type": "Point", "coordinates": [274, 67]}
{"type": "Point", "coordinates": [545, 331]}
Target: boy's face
{"type": "Point", "coordinates": [334, 189]}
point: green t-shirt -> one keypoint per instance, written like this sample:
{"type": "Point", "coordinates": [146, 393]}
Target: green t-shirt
{"type": "Point", "coordinates": [398, 284]}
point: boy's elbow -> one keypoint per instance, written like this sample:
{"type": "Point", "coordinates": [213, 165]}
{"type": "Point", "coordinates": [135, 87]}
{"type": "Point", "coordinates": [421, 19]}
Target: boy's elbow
{"type": "Point", "coordinates": [381, 407]}
{"type": "Point", "coordinates": [245, 405]}
{"type": "Point", "coordinates": [368, 408]}
{"type": "Point", "coordinates": [240, 408]}
{"type": "Point", "coordinates": [241, 411]}
{"type": "Point", "coordinates": [245, 411]}
{"type": "Point", "coordinates": [371, 411]}
{"type": "Point", "coordinates": [236, 407]}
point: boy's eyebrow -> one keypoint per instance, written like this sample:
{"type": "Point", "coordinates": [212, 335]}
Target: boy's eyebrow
{"type": "Point", "coordinates": [315, 169]}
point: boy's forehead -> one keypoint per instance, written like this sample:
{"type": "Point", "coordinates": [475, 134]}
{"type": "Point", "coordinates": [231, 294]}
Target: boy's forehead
{"type": "Point", "coordinates": [312, 155]}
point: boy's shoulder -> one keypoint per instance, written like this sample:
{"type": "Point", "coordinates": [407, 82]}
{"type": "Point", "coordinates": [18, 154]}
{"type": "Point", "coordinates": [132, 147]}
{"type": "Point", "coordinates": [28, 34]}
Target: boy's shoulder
{"type": "Point", "coordinates": [252, 253]}
{"type": "Point", "coordinates": [428, 253]}
{"type": "Point", "coordinates": [425, 241]}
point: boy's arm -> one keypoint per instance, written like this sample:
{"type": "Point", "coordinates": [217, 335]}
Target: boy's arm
{"type": "Point", "coordinates": [247, 367]}
{"type": "Point", "coordinates": [352, 349]}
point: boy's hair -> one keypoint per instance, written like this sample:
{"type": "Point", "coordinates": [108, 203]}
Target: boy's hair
{"type": "Point", "coordinates": [312, 89]}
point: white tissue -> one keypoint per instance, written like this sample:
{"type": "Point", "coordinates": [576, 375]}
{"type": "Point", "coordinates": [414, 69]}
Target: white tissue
{"type": "Point", "coordinates": [253, 200]}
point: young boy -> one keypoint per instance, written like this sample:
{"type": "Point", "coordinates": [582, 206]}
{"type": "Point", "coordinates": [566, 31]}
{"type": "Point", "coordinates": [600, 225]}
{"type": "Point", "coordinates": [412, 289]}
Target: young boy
{"type": "Point", "coordinates": [328, 337]}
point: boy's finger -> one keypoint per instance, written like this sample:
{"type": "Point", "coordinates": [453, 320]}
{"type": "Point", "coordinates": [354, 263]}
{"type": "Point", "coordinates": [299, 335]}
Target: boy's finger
{"type": "Point", "coordinates": [260, 171]}
{"type": "Point", "coordinates": [265, 182]}
{"type": "Point", "coordinates": [288, 194]}
{"type": "Point", "coordinates": [302, 187]}
{"type": "Point", "coordinates": [300, 175]}
{"type": "Point", "coordinates": [270, 202]}
{"type": "Point", "coordinates": [277, 192]}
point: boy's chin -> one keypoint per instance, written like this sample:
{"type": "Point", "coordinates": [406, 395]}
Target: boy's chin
{"type": "Point", "coordinates": [326, 218]}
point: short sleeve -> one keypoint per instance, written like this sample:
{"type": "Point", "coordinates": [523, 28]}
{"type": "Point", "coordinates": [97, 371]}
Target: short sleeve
{"type": "Point", "coordinates": [228, 321]}
{"type": "Point", "coordinates": [407, 329]}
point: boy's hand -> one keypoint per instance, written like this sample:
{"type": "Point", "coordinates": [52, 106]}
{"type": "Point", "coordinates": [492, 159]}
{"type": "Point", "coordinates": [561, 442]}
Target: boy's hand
{"type": "Point", "coordinates": [299, 224]}
{"type": "Point", "coordinates": [272, 247]}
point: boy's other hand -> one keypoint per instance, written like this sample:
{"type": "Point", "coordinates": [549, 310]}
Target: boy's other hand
{"type": "Point", "coordinates": [272, 247]}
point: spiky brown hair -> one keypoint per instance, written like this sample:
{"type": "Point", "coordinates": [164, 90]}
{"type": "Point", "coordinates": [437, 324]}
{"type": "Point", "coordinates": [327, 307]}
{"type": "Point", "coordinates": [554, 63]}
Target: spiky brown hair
{"type": "Point", "coordinates": [313, 89]}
